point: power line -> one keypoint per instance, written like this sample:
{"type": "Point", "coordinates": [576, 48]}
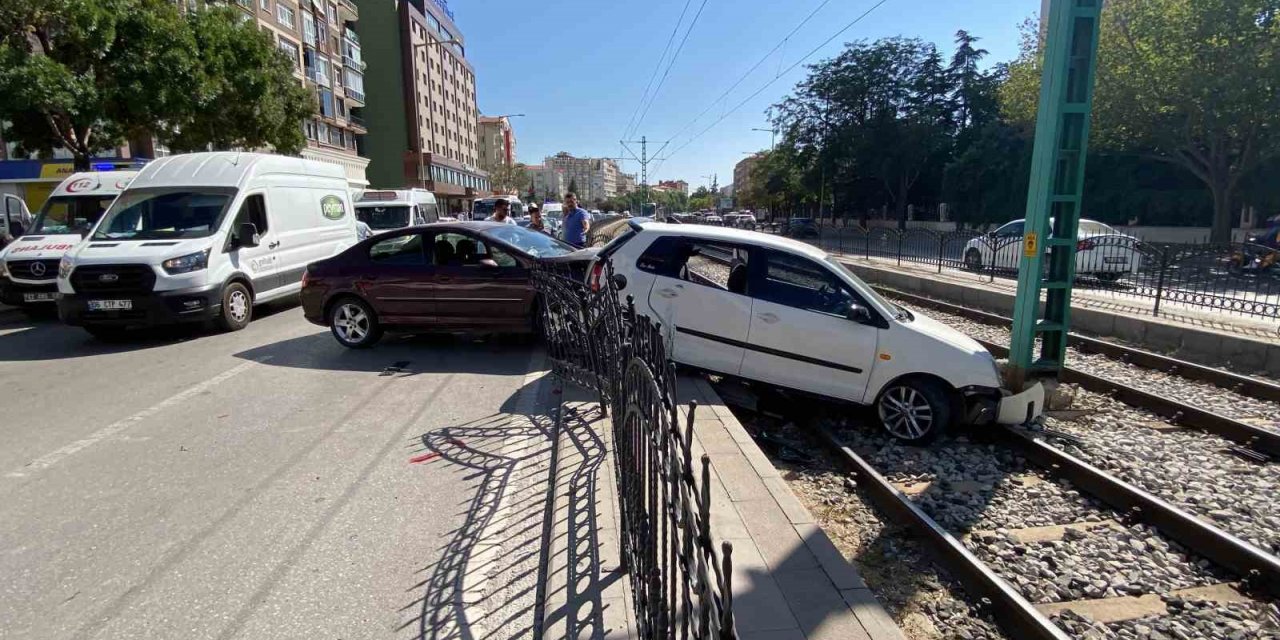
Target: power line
{"type": "Point", "coordinates": [672, 38]}
{"type": "Point", "coordinates": [654, 98]}
{"type": "Point", "coordinates": [775, 79]}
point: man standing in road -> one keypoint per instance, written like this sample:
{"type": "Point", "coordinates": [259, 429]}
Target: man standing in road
{"type": "Point", "coordinates": [577, 222]}
{"type": "Point", "coordinates": [502, 212]}
{"type": "Point", "coordinates": [535, 218]}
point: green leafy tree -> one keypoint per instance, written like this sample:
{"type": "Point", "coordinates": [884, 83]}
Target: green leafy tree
{"type": "Point", "coordinates": [510, 178]}
{"type": "Point", "coordinates": [85, 75]}
{"type": "Point", "coordinates": [573, 186]}
{"type": "Point", "coordinates": [1188, 82]}
{"type": "Point", "coordinates": [247, 96]}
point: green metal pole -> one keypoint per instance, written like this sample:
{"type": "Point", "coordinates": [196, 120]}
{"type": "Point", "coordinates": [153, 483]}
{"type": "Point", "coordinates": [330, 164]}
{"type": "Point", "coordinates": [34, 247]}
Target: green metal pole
{"type": "Point", "coordinates": [1056, 190]}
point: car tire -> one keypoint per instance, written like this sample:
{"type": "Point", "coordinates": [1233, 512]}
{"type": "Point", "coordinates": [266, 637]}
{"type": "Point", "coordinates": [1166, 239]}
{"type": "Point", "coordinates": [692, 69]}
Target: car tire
{"type": "Point", "coordinates": [1108, 277]}
{"type": "Point", "coordinates": [914, 410]}
{"type": "Point", "coordinates": [973, 260]}
{"type": "Point", "coordinates": [237, 308]}
{"type": "Point", "coordinates": [107, 333]}
{"type": "Point", "coordinates": [353, 324]}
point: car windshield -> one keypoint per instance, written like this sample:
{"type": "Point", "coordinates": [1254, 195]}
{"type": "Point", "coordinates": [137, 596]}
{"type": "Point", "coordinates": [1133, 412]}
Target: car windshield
{"type": "Point", "coordinates": [1091, 228]}
{"type": "Point", "coordinates": [382, 218]}
{"type": "Point", "coordinates": [70, 214]}
{"type": "Point", "coordinates": [538, 245]}
{"type": "Point", "coordinates": [149, 214]}
{"type": "Point", "coordinates": [866, 290]}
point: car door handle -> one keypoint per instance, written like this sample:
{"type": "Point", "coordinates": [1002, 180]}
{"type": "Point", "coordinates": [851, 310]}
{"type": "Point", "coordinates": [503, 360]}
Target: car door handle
{"type": "Point", "coordinates": [668, 293]}
{"type": "Point", "coordinates": [273, 245]}
{"type": "Point", "coordinates": [768, 318]}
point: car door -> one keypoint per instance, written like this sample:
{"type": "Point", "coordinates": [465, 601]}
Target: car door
{"type": "Point", "coordinates": [801, 335]}
{"type": "Point", "coordinates": [479, 285]}
{"type": "Point", "coordinates": [1007, 246]}
{"type": "Point", "coordinates": [15, 215]}
{"type": "Point", "coordinates": [399, 280]}
{"type": "Point", "coordinates": [258, 262]}
{"type": "Point", "coordinates": [699, 292]}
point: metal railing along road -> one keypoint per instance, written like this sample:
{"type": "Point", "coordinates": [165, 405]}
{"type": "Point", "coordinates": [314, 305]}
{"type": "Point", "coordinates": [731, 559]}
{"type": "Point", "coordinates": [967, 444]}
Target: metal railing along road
{"type": "Point", "coordinates": [681, 583]}
{"type": "Point", "coordinates": [1237, 278]}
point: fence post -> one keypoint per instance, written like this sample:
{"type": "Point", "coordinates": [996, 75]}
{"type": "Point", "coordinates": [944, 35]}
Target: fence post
{"type": "Point", "coordinates": [900, 238]}
{"type": "Point", "coordinates": [942, 244]}
{"type": "Point", "coordinates": [1164, 266]}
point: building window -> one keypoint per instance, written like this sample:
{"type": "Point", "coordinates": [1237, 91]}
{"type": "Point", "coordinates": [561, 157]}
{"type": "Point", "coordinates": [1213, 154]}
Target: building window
{"type": "Point", "coordinates": [435, 24]}
{"type": "Point", "coordinates": [322, 72]}
{"type": "Point", "coordinates": [265, 4]}
{"type": "Point", "coordinates": [291, 50]}
{"type": "Point", "coordinates": [309, 127]}
{"type": "Point", "coordinates": [355, 83]}
{"type": "Point", "coordinates": [326, 103]}
{"type": "Point", "coordinates": [308, 28]}
{"type": "Point", "coordinates": [333, 13]}
{"type": "Point", "coordinates": [285, 15]}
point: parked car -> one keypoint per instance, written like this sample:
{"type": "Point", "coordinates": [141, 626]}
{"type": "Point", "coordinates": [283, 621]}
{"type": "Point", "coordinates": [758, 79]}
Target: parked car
{"type": "Point", "coordinates": [29, 265]}
{"type": "Point", "coordinates": [205, 236]}
{"type": "Point", "coordinates": [784, 313]}
{"type": "Point", "coordinates": [385, 209]}
{"type": "Point", "coordinates": [450, 277]}
{"type": "Point", "coordinates": [1101, 251]}
{"type": "Point", "coordinates": [802, 228]}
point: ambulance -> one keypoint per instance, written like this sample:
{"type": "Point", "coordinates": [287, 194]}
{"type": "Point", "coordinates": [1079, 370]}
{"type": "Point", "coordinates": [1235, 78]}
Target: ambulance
{"type": "Point", "coordinates": [29, 265]}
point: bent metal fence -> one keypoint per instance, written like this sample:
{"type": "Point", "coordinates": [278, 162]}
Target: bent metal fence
{"type": "Point", "coordinates": [1237, 278]}
{"type": "Point", "coordinates": [681, 583]}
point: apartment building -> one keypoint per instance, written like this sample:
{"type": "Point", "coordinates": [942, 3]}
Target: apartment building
{"type": "Point", "coordinates": [546, 183]}
{"type": "Point", "coordinates": [422, 94]}
{"type": "Point", "coordinates": [679, 186]}
{"type": "Point", "coordinates": [320, 37]}
{"type": "Point", "coordinates": [626, 183]}
{"type": "Point", "coordinates": [497, 142]}
{"type": "Point", "coordinates": [596, 178]}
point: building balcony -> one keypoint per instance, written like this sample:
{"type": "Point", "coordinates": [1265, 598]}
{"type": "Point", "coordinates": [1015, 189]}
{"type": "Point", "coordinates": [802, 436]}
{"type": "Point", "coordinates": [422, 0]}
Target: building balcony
{"type": "Point", "coordinates": [355, 96]}
{"type": "Point", "coordinates": [347, 11]}
{"type": "Point", "coordinates": [357, 123]}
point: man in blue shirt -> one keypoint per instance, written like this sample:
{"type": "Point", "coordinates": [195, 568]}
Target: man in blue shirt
{"type": "Point", "coordinates": [577, 222]}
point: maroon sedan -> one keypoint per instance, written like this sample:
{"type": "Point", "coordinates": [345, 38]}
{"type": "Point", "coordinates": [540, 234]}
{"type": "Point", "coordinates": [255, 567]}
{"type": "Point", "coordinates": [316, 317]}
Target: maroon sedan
{"type": "Point", "coordinates": [446, 277]}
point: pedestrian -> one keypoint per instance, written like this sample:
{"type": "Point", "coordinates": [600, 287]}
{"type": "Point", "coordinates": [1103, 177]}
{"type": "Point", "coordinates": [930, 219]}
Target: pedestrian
{"type": "Point", "coordinates": [535, 218]}
{"type": "Point", "coordinates": [363, 230]}
{"type": "Point", "coordinates": [502, 212]}
{"type": "Point", "coordinates": [577, 222]}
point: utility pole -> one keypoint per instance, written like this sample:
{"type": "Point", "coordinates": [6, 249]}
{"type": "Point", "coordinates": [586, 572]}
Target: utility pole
{"type": "Point", "coordinates": [715, 190]}
{"type": "Point", "coordinates": [644, 161]}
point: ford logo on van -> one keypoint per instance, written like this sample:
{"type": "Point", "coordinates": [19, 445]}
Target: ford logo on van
{"type": "Point", "coordinates": [108, 277]}
{"type": "Point", "coordinates": [332, 208]}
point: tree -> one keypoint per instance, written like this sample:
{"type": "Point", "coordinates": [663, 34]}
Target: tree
{"type": "Point", "coordinates": [247, 96]}
{"type": "Point", "coordinates": [85, 75]}
{"type": "Point", "coordinates": [573, 185]}
{"type": "Point", "coordinates": [1189, 82]}
{"type": "Point", "coordinates": [507, 178]}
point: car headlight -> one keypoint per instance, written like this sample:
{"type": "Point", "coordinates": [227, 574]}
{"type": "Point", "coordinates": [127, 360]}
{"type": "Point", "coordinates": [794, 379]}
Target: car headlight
{"type": "Point", "coordinates": [188, 263]}
{"type": "Point", "coordinates": [65, 267]}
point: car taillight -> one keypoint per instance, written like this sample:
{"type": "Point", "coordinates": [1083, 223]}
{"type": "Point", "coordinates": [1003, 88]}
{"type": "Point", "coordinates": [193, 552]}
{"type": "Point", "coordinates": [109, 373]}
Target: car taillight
{"type": "Point", "coordinates": [306, 276]}
{"type": "Point", "coordinates": [597, 270]}
{"type": "Point", "coordinates": [1084, 245]}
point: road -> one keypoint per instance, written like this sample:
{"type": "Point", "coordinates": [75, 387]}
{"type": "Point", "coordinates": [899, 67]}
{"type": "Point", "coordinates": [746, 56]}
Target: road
{"type": "Point", "coordinates": [251, 485]}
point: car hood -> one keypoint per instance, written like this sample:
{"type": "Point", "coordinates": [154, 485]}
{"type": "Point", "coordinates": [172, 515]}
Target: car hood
{"type": "Point", "coordinates": [931, 328]}
{"type": "Point", "coordinates": [41, 247]}
{"type": "Point", "coordinates": [581, 255]}
{"type": "Point", "coordinates": [136, 251]}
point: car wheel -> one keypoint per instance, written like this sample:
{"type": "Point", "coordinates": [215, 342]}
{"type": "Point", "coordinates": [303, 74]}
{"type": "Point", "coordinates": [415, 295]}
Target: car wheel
{"type": "Point", "coordinates": [106, 334]}
{"type": "Point", "coordinates": [354, 324]}
{"type": "Point", "coordinates": [973, 260]}
{"type": "Point", "coordinates": [237, 308]}
{"type": "Point", "coordinates": [1110, 276]}
{"type": "Point", "coordinates": [915, 411]}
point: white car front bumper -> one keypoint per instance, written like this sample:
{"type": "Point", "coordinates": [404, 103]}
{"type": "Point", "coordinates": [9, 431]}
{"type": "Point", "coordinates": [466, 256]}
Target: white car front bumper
{"type": "Point", "coordinates": [1022, 407]}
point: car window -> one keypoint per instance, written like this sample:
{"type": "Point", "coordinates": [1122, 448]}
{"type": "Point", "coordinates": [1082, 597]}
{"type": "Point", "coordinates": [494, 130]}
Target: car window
{"type": "Point", "coordinates": [1011, 229]}
{"type": "Point", "coordinates": [462, 250]}
{"type": "Point", "coordinates": [713, 264]}
{"type": "Point", "coordinates": [801, 283]}
{"type": "Point", "coordinates": [405, 250]}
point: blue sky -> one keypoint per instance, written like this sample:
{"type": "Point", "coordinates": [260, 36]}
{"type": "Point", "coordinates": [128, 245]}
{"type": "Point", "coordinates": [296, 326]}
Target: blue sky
{"type": "Point", "coordinates": [578, 68]}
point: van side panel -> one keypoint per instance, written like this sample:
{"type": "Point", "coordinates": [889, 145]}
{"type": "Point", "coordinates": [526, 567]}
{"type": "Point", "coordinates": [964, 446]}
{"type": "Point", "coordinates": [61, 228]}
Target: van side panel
{"type": "Point", "coordinates": [305, 233]}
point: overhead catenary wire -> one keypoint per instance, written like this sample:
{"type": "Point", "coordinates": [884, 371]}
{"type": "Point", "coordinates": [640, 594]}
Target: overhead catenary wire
{"type": "Point", "coordinates": [768, 84]}
{"type": "Point", "coordinates": [672, 38]}
{"type": "Point", "coordinates": [654, 96]}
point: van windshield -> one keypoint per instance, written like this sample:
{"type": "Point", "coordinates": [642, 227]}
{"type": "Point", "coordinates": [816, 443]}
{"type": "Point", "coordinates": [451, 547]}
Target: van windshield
{"type": "Point", "coordinates": [382, 218]}
{"type": "Point", "coordinates": [151, 214]}
{"type": "Point", "coordinates": [483, 209]}
{"type": "Point", "coordinates": [70, 214]}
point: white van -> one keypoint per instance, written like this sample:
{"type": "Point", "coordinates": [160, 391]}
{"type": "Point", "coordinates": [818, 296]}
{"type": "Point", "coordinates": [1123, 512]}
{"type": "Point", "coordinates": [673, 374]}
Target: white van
{"type": "Point", "coordinates": [29, 265]}
{"type": "Point", "coordinates": [483, 208]}
{"type": "Point", "coordinates": [385, 210]}
{"type": "Point", "coordinates": [205, 236]}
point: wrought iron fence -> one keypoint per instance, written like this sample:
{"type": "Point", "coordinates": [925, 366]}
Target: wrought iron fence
{"type": "Point", "coordinates": [681, 583]}
{"type": "Point", "coordinates": [1237, 278]}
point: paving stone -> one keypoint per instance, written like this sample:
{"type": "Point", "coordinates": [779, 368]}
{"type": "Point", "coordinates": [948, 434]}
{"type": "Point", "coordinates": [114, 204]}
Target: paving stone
{"type": "Point", "coordinates": [758, 603]}
{"type": "Point", "coordinates": [776, 538]}
{"type": "Point", "coordinates": [841, 573]}
{"type": "Point", "coordinates": [740, 478]}
{"type": "Point", "coordinates": [787, 501]}
{"type": "Point", "coordinates": [878, 623]}
{"type": "Point", "coordinates": [819, 609]}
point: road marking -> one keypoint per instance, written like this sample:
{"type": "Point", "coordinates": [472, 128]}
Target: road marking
{"type": "Point", "coordinates": [50, 459]}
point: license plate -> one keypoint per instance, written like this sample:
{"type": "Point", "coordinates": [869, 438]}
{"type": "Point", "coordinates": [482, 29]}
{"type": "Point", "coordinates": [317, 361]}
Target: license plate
{"type": "Point", "coordinates": [39, 297]}
{"type": "Point", "coordinates": [110, 305]}
{"type": "Point", "coordinates": [1120, 260]}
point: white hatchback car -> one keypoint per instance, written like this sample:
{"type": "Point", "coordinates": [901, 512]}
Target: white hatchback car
{"type": "Point", "coordinates": [782, 312]}
{"type": "Point", "coordinates": [1101, 251]}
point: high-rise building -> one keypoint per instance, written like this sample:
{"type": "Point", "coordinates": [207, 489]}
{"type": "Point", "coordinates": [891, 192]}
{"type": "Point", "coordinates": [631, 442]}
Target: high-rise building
{"type": "Point", "coordinates": [675, 185]}
{"type": "Point", "coordinates": [422, 95]}
{"type": "Point", "coordinates": [546, 183]}
{"type": "Point", "coordinates": [626, 183]}
{"type": "Point", "coordinates": [497, 142]}
{"type": "Point", "coordinates": [595, 178]}
{"type": "Point", "coordinates": [320, 37]}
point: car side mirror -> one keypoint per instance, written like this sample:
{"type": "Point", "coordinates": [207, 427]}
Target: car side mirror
{"type": "Point", "coordinates": [859, 314]}
{"type": "Point", "coordinates": [991, 234]}
{"type": "Point", "coordinates": [248, 236]}
{"type": "Point", "coordinates": [489, 262]}
{"type": "Point", "coordinates": [619, 281]}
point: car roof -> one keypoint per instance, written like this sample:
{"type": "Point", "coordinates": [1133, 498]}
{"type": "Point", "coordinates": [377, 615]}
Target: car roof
{"type": "Point", "coordinates": [729, 234]}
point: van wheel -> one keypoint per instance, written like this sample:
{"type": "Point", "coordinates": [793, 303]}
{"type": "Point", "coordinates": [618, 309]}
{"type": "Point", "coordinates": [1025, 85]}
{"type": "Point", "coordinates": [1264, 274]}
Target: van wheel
{"type": "Point", "coordinates": [973, 260]}
{"type": "Point", "coordinates": [237, 308]}
{"type": "Point", "coordinates": [915, 411]}
{"type": "Point", "coordinates": [353, 324]}
{"type": "Point", "coordinates": [106, 333]}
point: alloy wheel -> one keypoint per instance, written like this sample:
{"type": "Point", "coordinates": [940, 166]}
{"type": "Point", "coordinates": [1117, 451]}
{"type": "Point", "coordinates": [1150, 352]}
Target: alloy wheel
{"type": "Point", "coordinates": [351, 323]}
{"type": "Point", "coordinates": [906, 413]}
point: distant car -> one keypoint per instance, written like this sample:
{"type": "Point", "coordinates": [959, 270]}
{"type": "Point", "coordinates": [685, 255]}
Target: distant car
{"type": "Point", "coordinates": [802, 228]}
{"type": "Point", "coordinates": [785, 313]}
{"type": "Point", "coordinates": [713, 220]}
{"type": "Point", "coordinates": [449, 277]}
{"type": "Point", "coordinates": [1101, 251]}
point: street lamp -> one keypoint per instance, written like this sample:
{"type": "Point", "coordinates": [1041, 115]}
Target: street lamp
{"type": "Point", "coordinates": [772, 137]}
{"type": "Point", "coordinates": [417, 98]}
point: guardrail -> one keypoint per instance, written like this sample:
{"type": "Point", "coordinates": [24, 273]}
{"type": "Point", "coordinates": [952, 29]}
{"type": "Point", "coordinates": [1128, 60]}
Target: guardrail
{"type": "Point", "coordinates": [681, 584]}
{"type": "Point", "coordinates": [1238, 278]}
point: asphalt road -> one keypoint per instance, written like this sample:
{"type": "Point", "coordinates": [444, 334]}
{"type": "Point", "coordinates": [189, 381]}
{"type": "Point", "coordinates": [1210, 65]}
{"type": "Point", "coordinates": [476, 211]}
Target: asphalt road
{"type": "Point", "coordinates": [250, 485]}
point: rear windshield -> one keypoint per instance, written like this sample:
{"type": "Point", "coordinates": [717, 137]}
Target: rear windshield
{"type": "Point", "coordinates": [382, 218]}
